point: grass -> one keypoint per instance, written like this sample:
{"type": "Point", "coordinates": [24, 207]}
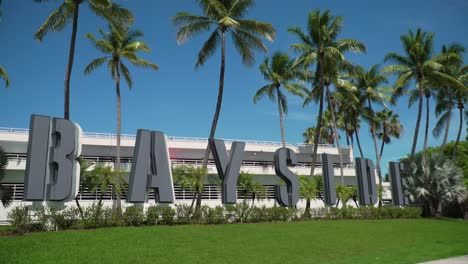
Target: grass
{"type": "Point", "coordinates": [348, 241]}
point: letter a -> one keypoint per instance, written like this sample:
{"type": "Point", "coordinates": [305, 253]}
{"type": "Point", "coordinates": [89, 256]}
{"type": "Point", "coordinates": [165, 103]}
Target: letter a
{"type": "Point", "coordinates": [151, 168]}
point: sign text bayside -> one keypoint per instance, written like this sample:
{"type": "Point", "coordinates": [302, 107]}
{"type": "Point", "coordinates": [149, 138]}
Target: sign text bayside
{"type": "Point", "coordinates": [53, 172]}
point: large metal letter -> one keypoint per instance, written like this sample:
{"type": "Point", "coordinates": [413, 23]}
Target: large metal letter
{"type": "Point", "coordinates": [37, 162]}
{"type": "Point", "coordinates": [151, 168]}
{"type": "Point", "coordinates": [398, 198]}
{"type": "Point", "coordinates": [286, 195]}
{"type": "Point", "coordinates": [365, 173]}
{"type": "Point", "coordinates": [228, 171]}
{"type": "Point", "coordinates": [63, 161]}
{"type": "Point", "coordinates": [328, 173]}
{"type": "Point", "coordinates": [52, 171]}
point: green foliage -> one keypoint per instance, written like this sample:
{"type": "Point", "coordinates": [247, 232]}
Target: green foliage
{"type": "Point", "coordinates": [434, 184]}
{"type": "Point", "coordinates": [153, 215]}
{"type": "Point", "coordinates": [134, 216]}
{"type": "Point", "coordinates": [220, 18]}
{"type": "Point", "coordinates": [345, 193]}
{"type": "Point", "coordinates": [19, 219]}
{"type": "Point", "coordinates": [167, 214]}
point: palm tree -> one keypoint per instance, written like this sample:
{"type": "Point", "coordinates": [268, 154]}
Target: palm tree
{"type": "Point", "coordinates": [119, 43]}
{"type": "Point", "coordinates": [370, 91]}
{"type": "Point", "coordinates": [419, 64]}
{"type": "Point", "coordinates": [309, 135]}
{"type": "Point", "coordinates": [445, 93]}
{"type": "Point", "coordinates": [308, 189]}
{"type": "Point", "coordinates": [387, 125]}
{"type": "Point", "coordinates": [67, 12]}
{"type": "Point", "coordinates": [100, 178]}
{"type": "Point", "coordinates": [462, 99]}
{"type": "Point", "coordinates": [84, 166]}
{"type": "Point", "coordinates": [321, 45]}
{"type": "Point", "coordinates": [441, 181]}
{"type": "Point", "coordinates": [6, 193]}
{"type": "Point", "coordinates": [225, 17]}
{"type": "Point", "coordinates": [191, 178]}
{"type": "Point", "coordinates": [249, 186]}
{"type": "Point", "coordinates": [279, 71]}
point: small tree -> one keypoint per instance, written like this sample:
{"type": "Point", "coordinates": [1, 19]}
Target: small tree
{"type": "Point", "coordinates": [442, 182]}
{"type": "Point", "coordinates": [191, 178]}
{"type": "Point", "coordinates": [308, 189]}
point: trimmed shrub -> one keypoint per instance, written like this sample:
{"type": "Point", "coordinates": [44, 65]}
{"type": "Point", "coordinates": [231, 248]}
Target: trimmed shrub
{"type": "Point", "coordinates": [153, 214]}
{"type": "Point", "coordinates": [167, 215]}
{"type": "Point", "coordinates": [133, 216]}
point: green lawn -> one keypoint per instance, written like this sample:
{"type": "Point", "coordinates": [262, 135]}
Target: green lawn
{"type": "Point", "coordinates": [361, 241]}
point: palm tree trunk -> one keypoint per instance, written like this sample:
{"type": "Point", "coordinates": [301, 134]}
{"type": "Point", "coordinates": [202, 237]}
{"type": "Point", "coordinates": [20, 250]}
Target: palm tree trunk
{"type": "Point", "coordinates": [426, 133]}
{"type": "Point", "coordinates": [447, 125]}
{"type": "Point", "coordinates": [418, 122]}
{"type": "Point", "coordinates": [335, 133]}
{"type": "Point", "coordinates": [460, 107]}
{"type": "Point", "coordinates": [307, 209]}
{"type": "Point", "coordinates": [280, 111]}
{"type": "Point", "coordinates": [381, 148]}
{"type": "Point", "coordinates": [220, 99]}
{"type": "Point", "coordinates": [377, 156]}
{"type": "Point", "coordinates": [79, 208]}
{"type": "Point", "coordinates": [358, 142]}
{"type": "Point", "coordinates": [71, 57]}
{"type": "Point", "coordinates": [383, 141]}
{"type": "Point", "coordinates": [119, 127]}
{"type": "Point", "coordinates": [318, 127]}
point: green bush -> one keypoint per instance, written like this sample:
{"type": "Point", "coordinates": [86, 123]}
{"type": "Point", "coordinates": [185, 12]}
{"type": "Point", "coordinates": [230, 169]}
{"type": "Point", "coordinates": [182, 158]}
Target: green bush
{"type": "Point", "coordinates": [183, 213]}
{"type": "Point", "coordinates": [214, 215]}
{"type": "Point", "coordinates": [19, 219]}
{"type": "Point", "coordinates": [63, 219]}
{"type": "Point", "coordinates": [133, 216]}
{"type": "Point", "coordinates": [153, 214]}
{"type": "Point", "coordinates": [167, 215]}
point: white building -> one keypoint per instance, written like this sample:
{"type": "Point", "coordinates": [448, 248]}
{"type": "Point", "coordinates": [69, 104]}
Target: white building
{"type": "Point", "coordinates": [99, 148]}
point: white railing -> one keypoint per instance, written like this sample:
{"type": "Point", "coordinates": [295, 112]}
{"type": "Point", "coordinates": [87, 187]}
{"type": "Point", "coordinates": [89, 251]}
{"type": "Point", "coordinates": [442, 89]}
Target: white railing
{"type": "Point", "coordinates": [172, 138]}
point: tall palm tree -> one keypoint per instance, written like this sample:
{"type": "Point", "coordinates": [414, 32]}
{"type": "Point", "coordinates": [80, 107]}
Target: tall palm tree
{"type": "Point", "coordinates": [119, 44]}
{"type": "Point", "coordinates": [419, 64]}
{"type": "Point", "coordinates": [371, 92]}
{"type": "Point", "coordinates": [222, 18]}
{"type": "Point", "coordinates": [67, 12]}
{"type": "Point", "coordinates": [321, 45]}
{"type": "Point", "coordinates": [462, 100]}
{"type": "Point", "coordinates": [279, 71]}
{"type": "Point", "coordinates": [387, 125]}
{"type": "Point", "coordinates": [446, 93]}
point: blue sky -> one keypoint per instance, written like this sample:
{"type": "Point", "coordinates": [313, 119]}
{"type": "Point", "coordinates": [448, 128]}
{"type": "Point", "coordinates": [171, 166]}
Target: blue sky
{"type": "Point", "coordinates": [179, 100]}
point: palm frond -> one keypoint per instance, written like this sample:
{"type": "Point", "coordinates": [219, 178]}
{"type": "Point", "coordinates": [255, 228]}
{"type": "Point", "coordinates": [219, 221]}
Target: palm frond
{"type": "Point", "coordinates": [4, 75]}
{"type": "Point", "coordinates": [57, 20]}
{"type": "Point", "coordinates": [126, 74]}
{"type": "Point", "coordinates": [94, 64]}
{"type": "Point", "coordinates": [208, 48]}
